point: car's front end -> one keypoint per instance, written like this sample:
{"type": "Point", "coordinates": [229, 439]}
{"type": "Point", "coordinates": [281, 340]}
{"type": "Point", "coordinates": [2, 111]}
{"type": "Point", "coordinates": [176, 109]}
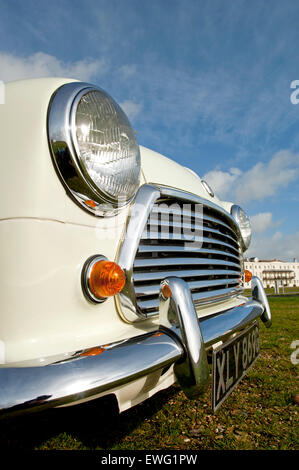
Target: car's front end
{"type": "Point", "coordinates": [79, 193]}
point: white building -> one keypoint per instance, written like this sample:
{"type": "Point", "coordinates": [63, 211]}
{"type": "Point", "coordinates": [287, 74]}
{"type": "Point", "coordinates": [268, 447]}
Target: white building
{"type": "Point", "coordinates": [272, 271]}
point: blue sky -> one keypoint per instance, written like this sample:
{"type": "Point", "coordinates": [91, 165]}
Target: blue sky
{"type": "Point", "coordinates": [207, 83]}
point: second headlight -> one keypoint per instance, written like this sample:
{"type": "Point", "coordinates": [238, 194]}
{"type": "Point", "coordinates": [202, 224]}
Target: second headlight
{"type": "Point", "coordinates": [243, 222]}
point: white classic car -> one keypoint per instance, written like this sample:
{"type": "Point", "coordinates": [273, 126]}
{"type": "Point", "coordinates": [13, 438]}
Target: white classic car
{"type": "Point", "coordinates": [121, 271]}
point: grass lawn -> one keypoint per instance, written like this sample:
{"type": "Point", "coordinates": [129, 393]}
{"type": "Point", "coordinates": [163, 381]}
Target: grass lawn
{"type": "Point", "coordinates": [271, 290]}
{"type": "Point", "coordinates": [259, 414]}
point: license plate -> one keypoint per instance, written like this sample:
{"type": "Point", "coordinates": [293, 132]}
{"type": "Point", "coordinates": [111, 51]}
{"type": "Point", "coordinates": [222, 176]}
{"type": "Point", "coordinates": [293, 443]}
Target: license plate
{"type": "Point", "coordinates": [231, 361]}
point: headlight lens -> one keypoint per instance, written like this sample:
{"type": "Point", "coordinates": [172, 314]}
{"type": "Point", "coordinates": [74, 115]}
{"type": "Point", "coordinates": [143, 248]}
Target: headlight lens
{"type": "Point", "coordinates": [94, 147]}
{"type": "Point", "coordinates": [106, 144]}
{"type": "Point", "coordinates": [244, 224]}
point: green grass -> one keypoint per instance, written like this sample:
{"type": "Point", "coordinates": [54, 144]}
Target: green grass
{"type": "Point", "coordinates": [259, 414]}
{"type": "Point", "coordinates": [282, 290]}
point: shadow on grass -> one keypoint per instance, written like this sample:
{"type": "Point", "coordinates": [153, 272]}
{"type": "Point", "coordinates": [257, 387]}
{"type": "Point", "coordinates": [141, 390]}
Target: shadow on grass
{"type": "Point", "coordinates": [95, 424]}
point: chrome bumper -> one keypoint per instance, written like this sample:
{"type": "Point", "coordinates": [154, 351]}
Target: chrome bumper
{"type": "Point", "coordinates": [182, 340]}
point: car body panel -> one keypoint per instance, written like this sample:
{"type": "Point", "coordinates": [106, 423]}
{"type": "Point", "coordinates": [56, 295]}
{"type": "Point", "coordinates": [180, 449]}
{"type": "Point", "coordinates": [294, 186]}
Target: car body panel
{"type": "Point", "coordinates": [46, 238]}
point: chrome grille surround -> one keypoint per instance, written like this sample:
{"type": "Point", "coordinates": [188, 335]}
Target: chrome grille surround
{"type": "Point", "coordinates": [167, 235]}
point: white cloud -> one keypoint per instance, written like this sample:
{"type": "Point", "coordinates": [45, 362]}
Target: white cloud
{"type": "Point", "coordinates": [264, 179]}
{"type": "Point", "coordinates": [128, 70]}
{"type": "Point", "coordinates": [222, 181]}
{"type": "Point", "coordinates": [261, 181]}
{"type": "Point", "coordinates": [284, 247]}
{"type": "Point", "coordinates": [260, 223]}
{"type": "Point", "coordinates": [13, 67]}
{"type": "Point", "coordinates": [131, 108]}
{"type": "Point", "coordinates": [276, 245]}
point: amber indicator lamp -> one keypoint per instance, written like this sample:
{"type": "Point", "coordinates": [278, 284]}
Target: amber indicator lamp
{"type": "Point", "coordinates": [90, 203]}
{"type": "Point", "coordinates": [247, 275]}
{"type": "Point", "coordinates": [166, 291]}
{"type": "Point", "coordinates": [102, 278]}
{"type": "Point", "coordinates": [92, 352]}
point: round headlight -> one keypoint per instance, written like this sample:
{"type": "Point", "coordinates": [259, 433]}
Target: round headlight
{"type": "Point", "coordinates": [244, 224]}
{"type": "Point", "coordinates": [94, 147]}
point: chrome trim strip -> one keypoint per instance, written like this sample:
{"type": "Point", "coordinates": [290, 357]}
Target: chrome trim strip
{"type": "Point", "coordinates": [190, 197]}
{"type": "Point", "coordinates": [219, 294]}
{"type": "Point", "coordinates": [161, 262]}
{"type": "Point", "coordinates": [182, 249]}
{"type": "Point", "coordinates": [153, 289]}
{"type": "Point", "coordinates": [190, 213]}
{"type": "Point", "coordinates": [208, 188]}
{"type": "Point", "coordinates": [193, 238]}
{"type": "Point", "coordinates": [126, 301]}
{"type": "Point", "coordinates": [201, 298]}
{"type": "Point", "coordinates": [193, 227]}
{"type": "Point", "coordinates": [152, 276]}
{"type": "Point", "coordinates": [68, 381]}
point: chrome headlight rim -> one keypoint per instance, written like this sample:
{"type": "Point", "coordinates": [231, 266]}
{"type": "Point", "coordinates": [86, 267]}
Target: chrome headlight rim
{"type": "Point", "coordinates": [61, 127]}
{"type": "Point", "coordinates": [237, 212]}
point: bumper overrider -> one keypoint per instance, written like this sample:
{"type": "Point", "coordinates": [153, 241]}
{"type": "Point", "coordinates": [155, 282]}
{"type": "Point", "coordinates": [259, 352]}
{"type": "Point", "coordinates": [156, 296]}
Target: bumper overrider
{"type": "Point", "coordinates": [181, 339]}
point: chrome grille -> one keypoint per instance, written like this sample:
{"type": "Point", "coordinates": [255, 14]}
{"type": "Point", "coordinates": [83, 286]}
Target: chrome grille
{"type": "Point", "coordinates": [210, 262]}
